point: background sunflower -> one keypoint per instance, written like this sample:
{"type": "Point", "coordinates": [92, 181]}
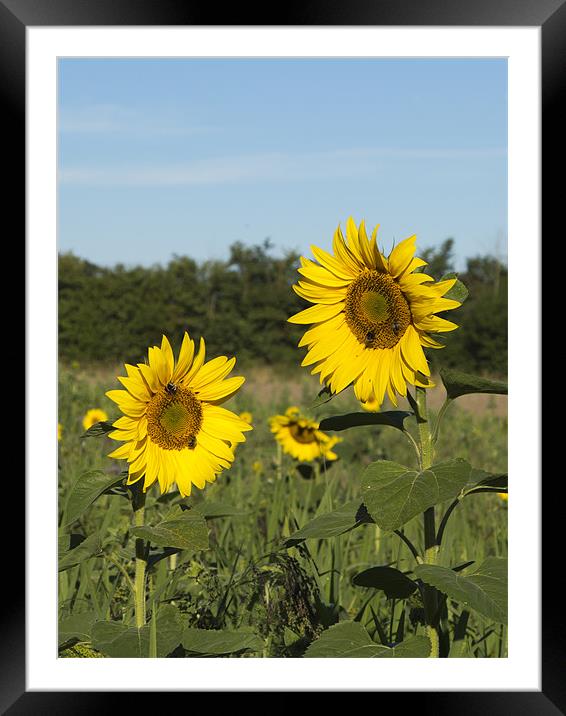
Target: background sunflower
{"type": "Point", "coordinates": [300, 437]}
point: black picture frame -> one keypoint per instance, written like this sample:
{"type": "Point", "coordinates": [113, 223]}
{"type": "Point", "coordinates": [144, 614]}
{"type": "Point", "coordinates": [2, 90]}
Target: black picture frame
{"type": "Point", "coordinates": [550, 16]}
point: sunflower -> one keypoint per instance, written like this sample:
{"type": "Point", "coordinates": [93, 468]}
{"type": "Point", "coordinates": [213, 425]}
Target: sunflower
{"type": "Point", "coordinates": [372, 315]}
{"type": "Point", "coordinates": [504, 496]}
{"type": "Point", "coordinates": [246, 417]}
{"type": "Point", "coordinates": [91, 417]}
{"type": "Point", "coordinates": [59, 431]}
{"type": "Point", "coordinates": [173, 427]}
{"type": "Point", "coordinates": [301, 438]}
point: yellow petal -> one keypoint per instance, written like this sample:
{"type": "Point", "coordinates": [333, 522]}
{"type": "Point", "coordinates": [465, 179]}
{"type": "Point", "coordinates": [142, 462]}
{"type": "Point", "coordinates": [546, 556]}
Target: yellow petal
{"type": "Point", "coordinates": [220, 391]}
{"type": "Point", "coordinates": [186, 354]}
{"type": "Point", "coordinates": [197, 363]}
{"type": "Point", "coordinates": [317, 313]}
{"type": "Point", "coordinates": [401, 256]}
{"type": "Point", "coordinates": [339, 269]}
{"type": "Point", "coordinates": [214, 370]}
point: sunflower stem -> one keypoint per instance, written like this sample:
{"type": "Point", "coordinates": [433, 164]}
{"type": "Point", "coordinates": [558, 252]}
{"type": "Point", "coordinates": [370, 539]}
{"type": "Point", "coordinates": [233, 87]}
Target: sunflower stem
{"type": "Point", "coordinates": [138, 505]}
{"type": "Point", "coordinates": [430, 596]}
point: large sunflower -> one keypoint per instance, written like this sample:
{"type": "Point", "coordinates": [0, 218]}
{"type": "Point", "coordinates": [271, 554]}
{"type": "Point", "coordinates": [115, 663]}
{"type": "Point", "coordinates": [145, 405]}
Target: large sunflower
{"type": "Point", "coordinates": [373, 316]}
{"type": "Point", "coordinates": [301, 437]}
{"type": "Point", "coordinates": [173, 427]}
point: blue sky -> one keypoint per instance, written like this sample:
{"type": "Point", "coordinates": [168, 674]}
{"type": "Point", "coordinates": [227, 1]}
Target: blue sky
{"type": "Point", "coordinates": [185, 156]}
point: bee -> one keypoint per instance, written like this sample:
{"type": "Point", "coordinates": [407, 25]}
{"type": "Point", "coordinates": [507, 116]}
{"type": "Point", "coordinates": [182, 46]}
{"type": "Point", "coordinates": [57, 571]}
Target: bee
{"type": "Point", "coordinates": [171, 388]}
{"type": "Point", "coordinates": [369, 339]}
{"type": "Point", "coordinates": [396, 327]}
{"type": "Point", "coordinates": [192, 443]}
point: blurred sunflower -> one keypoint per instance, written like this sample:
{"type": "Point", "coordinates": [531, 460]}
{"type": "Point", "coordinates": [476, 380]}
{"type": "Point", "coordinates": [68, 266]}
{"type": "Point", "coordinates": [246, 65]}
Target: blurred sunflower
{"type": "Point", "coordinates": [372, 316]}
{"type": "Point", "coordinates": [301, 438]}
{"type": "Point", "coordinates": [504, 496]}
{"type": "Point", "coordinates": [246, 417]}
{"type": "Point", "coordinates": [91, 417]}
{"type": "Point", "coordinates": [59, 431]}
{"type": "Point", "coordinates": [173, 427]}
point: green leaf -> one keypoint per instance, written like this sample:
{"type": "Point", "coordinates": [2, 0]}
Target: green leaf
{"type": "Point", "coordinates": [484, 589]}
{"type": "Point", "coordinates": [115, 639]}
{"type": "Point", "coordinates": [101, 428]}
{"type": "Point", "coordinates": [391, 581]}
{"type": "Point", "coordinates": [211, 510]}
{"type": "Point", "coordinates": [75, 628]}
{"type": "Point", "coordinates": [86, 549]}
{"type": "Point", "coordinates": [219, 642]}
{"type": "Point", "coordinates": [86, 489]}
{"type": "Point", "coordinates": [181, 529]}
{"type": "Point", "coordinates": [394, 418]}
{"type": "Point", "coordinates": [458, 384]}
{"type": "Point", "coordinates": [331, 524]}
{"type": "Point", "coordinates": [351, 640]}
{"type": "Point", "coordinates": [458, 292]}
{"type": "Point", "coordinates": [394, 494]}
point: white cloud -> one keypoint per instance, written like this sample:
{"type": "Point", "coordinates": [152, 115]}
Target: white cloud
{"type": "Point", "coordinates": [109, 118]}
{"type": "Point", "coordinates": [273, 166]}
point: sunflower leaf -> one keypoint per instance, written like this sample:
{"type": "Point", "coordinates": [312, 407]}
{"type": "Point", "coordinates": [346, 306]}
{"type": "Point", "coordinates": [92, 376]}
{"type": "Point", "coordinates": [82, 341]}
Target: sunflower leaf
{"type": "Point", "coordinates": [489, 483]}
{"type": "Point", "coordinates": [393, 582]}
{"type": "Point", "coordinates": [181, 529]}
{"type": "Point", "coordinates": [218, 642]}
{"type": "Point", "coordinates": [115, 639]}
{"type": "Point", "coordinates": [458, 292]}
{"type": "Point", "coordinates": [484, 589]}
{"type": "Point", "coordinates": [86, 489]}
{"type": "Point", "coordinates": [458, 384]}
{"type": "Point", "coordinates": [101, 428]}
{"type": "Point", "coordinates": [394, 418]}
{"type": "Point", "coordinates": [76, 627]}
{"type": "Point", "coordinates": [331, 524]}
{"type": "Point", "coordinates": [351, 640]}
{"type": "Point", "coordinates": [87, 548]}
{"type": "Point", "coordinates": [394, 494]}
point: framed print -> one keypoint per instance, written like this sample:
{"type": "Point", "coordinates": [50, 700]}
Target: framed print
{"type": "Point", "coordinates": [112, 180]}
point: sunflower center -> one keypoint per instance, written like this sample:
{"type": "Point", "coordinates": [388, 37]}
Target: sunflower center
{"type": "Point", "coordinates": [174, 418]}
{"type": "Point", "coordinates": [302, 434]}
{"type": "Point", "coordinates": [376, 310]}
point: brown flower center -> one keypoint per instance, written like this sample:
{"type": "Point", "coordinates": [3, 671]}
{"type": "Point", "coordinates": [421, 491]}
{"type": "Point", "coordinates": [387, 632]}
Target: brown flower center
{"type": "Point", "coordinates": [376, 310]}
{"type": "Point", "coordinates": [174, 417]}
{"type": "Point", "coordinates": [302, 433]}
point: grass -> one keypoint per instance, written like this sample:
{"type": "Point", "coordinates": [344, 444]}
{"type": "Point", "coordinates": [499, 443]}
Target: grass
{"type": "Point", "coordinates": [247, 579]}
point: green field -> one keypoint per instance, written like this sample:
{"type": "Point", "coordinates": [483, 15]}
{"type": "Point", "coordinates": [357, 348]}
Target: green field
{"type": "Point", "coordinates": [248, 580]}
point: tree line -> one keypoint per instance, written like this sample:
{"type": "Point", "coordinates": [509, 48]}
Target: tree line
{"type": "Point", "coordinates": [241, 306]}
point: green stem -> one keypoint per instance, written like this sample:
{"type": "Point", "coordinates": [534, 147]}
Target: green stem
{"type": "Point", "coordinates": [138, 504]}
{"type": "Point", "coordinates": [434, 642]}
{"type": "Point", "coordinates": [427, 455]}
{"type": "Point", "coordinates": [439, 420]}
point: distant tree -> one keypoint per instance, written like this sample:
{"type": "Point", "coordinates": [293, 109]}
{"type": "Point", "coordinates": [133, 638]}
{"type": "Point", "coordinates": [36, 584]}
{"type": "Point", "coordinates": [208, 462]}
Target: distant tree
{"type": "Point", "coordinates": [439, 259]}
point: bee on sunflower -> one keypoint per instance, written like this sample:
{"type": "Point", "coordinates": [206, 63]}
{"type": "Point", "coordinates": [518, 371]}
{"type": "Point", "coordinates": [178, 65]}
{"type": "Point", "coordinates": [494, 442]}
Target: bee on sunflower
{"type": "Point", "coordinates": [371, 316]}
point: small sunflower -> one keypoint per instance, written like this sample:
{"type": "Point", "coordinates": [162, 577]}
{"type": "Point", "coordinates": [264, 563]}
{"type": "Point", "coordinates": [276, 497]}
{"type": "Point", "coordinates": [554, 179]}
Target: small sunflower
{"type": "Point", "coordinates": [246, 417]}
{"type": "Point", "coordinates": [173, 427]}
{"type": "Point", "coordinates": [504, 496]}
{"type": "Point", "coordinates": [372, 316]}
{"type": "Point", "coordinates": [96, 415]}
{"type": "Point", "coordinates": [301, 437]}
{"type": "Point", "coordinates": [59, 431]}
